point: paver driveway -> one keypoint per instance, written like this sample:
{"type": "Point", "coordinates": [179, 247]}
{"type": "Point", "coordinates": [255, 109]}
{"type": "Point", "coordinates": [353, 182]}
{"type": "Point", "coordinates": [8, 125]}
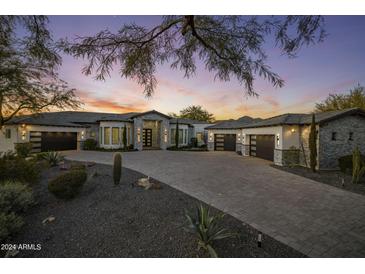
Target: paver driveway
{"type": "Point", "coordinates": [314, 218]}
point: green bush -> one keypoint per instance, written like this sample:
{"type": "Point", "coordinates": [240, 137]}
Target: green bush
{"type": "Point", "coordinates": [117, 168]}
{"type": "Point", "coordinates": [358, 166]}
{"type": "Point", "coordinates": [52, 157]}
{"type": "Point", "coordinates": [67, 185]}
{"type": "Point", "coordinates": [15, 197]}
{"type": "Point", "coordinates": [90, 144]}
{"type": "Point", "coordinates": [345, 163]}
{"type": "Point", "coordinates": [10, 223]}
{"type": "Point", "coordinates": [19, 169]}
{"type": "Point", "coordinates": [23, 149]}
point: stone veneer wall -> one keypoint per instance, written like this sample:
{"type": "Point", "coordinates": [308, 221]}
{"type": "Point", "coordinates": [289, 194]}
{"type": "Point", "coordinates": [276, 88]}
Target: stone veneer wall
{"type": "Point", "coordinates": [330, 150]}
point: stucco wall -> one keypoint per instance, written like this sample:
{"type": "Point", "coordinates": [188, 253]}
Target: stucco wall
{"type": "Point", "coordinates": [8, 144]}
{"type": "Point", "coordinates": [330, 150]}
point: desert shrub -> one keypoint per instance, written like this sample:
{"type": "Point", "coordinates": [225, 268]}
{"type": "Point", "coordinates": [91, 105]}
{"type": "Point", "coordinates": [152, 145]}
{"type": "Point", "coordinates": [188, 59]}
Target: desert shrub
{"type": "Point", "coordinates": [117, 168]}
{"type": "Point", "coordinates": [52, 157]}
{"type": "Point", "coordinates": [15, 197]}
{"type": "Point", "coordinates": [90, 144]}
{"type": "Point", "coordinates": [67, 185]}
{"type": "Point", "coordinates": [19, 169]}
{"type": "Point", "coordinates": [345, 163]}
{"type": "Point", "coordinates": [10, 223]}
{"type": "Point", "coordinates": [78, 167]}
{"type": "Point", "coordinates": [207, 228]}
{"type": "Point", "coordinates": [8, 155]}
{"type": "Point", "coordinates": [23, 149]}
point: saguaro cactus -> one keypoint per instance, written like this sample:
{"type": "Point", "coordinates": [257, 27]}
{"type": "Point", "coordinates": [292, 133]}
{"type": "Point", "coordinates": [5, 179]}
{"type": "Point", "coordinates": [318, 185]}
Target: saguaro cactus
{"type": "Point", "coordinates": [117, 168]}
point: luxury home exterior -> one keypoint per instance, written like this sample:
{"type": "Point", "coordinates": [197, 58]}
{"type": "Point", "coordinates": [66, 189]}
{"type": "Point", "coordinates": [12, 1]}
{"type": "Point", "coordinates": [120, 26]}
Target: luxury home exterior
{"type": "Point", "coordinates": [69, 129]}
{"type": "Point", "coordinates": [283, 139]}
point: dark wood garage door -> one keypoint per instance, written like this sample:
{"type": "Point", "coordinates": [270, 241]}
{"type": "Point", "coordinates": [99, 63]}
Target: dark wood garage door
{"type": "Point", "coordinates": [225, 142]}
{"type": "Point", "coordinates": [262, 146]}
{"type": "Point", "coordinates": [58, 141]}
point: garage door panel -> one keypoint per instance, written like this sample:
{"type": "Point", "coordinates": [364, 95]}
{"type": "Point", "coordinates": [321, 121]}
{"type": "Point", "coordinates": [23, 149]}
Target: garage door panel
{"type": "Point", "coordinates": [58, 141]}
{"type": "Point", "coordinates": [262, 146]}
{"type": "Point", "coordinates": [225, 142]}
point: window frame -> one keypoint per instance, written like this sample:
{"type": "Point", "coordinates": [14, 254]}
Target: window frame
{"type": "Point", "coordinates": [8, 133]}
{"type": "Point", "coordinates": [117, 130]}
{"type": "Point", "coordinates": [109, 137]}
{"type": "Point", "coordinates": [334, 136]}
{"type": "Point", "coordinates": [351, 136]}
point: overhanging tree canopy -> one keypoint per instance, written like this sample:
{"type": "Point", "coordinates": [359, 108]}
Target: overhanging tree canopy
{"type": "Point", "coordinates": [28, 65]}
{"type": "Point", "coordinates": [229, 46]}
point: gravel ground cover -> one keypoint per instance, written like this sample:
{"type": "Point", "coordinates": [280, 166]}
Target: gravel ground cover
{"type": "Point", "coordinates": [128, 221]}
{"type": "Point", "coordinates": [333, 178]}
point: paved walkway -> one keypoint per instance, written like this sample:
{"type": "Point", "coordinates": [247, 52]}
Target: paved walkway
{"type": "Point", "coordinates": [314, 218]}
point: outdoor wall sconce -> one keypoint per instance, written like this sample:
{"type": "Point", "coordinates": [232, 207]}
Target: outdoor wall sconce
{"type": "Point", "coordinates": [138, 135]}
{"type": "Point", "coordinates": [239, 137]}
{"type": "Point", "coordinates": [23, 125]}
{"type": "Point", "coordinates": [292, 130]}
{"type": "Point", "coordinates": [211, 136]}
{"type": "Point", "coordinates": [165, 135]}
{"type": "Point", "coordinates": [278, 139]}
{"type": "Point", "coordinates": [24, 133]}
{"type": "Point", "coordinates": [82, 135]}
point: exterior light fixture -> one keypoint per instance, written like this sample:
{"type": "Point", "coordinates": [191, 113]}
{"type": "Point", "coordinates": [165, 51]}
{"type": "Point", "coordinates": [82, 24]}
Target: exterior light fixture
{"type": "Point", "coordinates": [138, 135]}
{"type": "Point", "coordinates": [211, 136]}
{"type": "Point", "coordinates": [23, 125]}
{"type": "Point", "coordinates": [82, 134]}
{"type": "Point", "coordinates": [24, 135]}
{"type": "Point", "coordinates": [239, 137]}
{"type": "Point", "coordinates": [278, 139]}
{"type": "Point", "coordinates": [292, 130]}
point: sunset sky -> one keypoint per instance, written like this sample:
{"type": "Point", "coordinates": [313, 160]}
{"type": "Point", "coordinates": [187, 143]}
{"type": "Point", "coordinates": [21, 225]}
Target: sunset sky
{"type": "Point", "coordinates": [336, 65]}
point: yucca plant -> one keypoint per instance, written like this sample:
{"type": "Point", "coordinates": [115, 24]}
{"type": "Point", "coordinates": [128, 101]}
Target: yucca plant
{"type": "Point", "coordinates": [358, 168]}
{"type": "Point", "coordinates": [52, 157]}
{"type": "Point", "coordinates": [207, 228]}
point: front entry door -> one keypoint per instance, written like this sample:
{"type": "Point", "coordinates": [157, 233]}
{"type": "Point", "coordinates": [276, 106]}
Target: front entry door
{"type": "Point", "coordinates": [147, 137]}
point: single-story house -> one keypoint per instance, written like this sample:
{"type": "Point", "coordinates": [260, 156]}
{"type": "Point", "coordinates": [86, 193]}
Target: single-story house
{"type": "Point", "coordinates": [67, 130]}
{"type": "Point", "coordinates": [284, 139]}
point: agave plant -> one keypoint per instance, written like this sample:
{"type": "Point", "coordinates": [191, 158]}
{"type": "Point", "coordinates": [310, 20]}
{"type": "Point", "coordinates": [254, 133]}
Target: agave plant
{"type": "Point", "coordinates": [52, 157]}
{"type": "Point", "coordinates": [207, 228]}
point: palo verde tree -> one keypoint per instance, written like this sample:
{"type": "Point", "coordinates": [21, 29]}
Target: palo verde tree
{"type": "Point", "coordinates": [353, 99]}
{"type": "Point", "coordinates": [229, 47]}
{"type": "Point", "coordinates": [313, 145]}
{"type": "Point", "coordinates": [28, 64]}
{"type": "Point", "coordinates": [177, 134]}
{"type": "Point", "coordinates": [195, 113]}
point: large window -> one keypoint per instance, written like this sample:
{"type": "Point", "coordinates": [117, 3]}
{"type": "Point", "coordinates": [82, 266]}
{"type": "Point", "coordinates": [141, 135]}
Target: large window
{"type": "Point", "coordinates": [115, 135]}
{"type": "Point", "coordinates": [172, 136]}
{"type": "Point", "coordinates": [107, 136]}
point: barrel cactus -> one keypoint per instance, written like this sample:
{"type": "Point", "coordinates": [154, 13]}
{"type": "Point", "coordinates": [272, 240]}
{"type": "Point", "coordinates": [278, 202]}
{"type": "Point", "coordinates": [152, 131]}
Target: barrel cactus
{"type": "Point", "coordinates": [117, 168]}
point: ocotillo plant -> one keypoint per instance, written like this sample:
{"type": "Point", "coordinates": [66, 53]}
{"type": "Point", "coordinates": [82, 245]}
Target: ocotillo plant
{"type": "Point", "coordinates": [117, 168]}
{"type": "Point", "coordinates": [313, 145]}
